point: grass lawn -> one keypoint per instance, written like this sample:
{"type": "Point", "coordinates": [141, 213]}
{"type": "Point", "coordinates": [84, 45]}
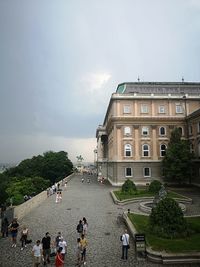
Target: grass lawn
{"type": "Point", "coordinates": [189, 244]}
{"type": "Point", "coordinates": [143, 193]}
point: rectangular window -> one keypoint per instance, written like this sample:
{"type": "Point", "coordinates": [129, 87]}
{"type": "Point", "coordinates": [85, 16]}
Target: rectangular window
{"type": "Point", "coordinates": [161, 109]}
{"type": "Point", "coordinates": [127, 109]}
{"type": "Point", "coordinates": [127, 131]}
{"type": "Point", "coordinates": [179, 109]}
{"type": "Point", "coordinates": [144, 108]}
{"type": "Point", "coordinates": [147, 172]}
{"type": "Point", "coordinates": [128, 172]}
{"type": "Point", "coordinates": [145, 131]}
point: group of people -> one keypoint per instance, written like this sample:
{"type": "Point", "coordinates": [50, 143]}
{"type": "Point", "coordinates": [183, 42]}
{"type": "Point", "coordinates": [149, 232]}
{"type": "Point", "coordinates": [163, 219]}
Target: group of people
{"type": "Point", "coordinates": [46, 248]}
{"type": "Point", "coordinates": [13, 229]}
{"type": "Point", "coordinates": [59, 196]}
{"type": "Point", "coordinates": [83, 179]}
{"type": "Point", "coordinates": [82, 228]}
{"type": "Point", "coordinates": [53, 189]}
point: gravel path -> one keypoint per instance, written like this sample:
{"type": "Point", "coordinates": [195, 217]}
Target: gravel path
{"type": "Point", "coordinates": [92, 201]}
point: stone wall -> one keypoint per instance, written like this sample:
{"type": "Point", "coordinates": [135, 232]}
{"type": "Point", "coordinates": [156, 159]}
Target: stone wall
{"type": "Point", "coordinates": [26, 207]}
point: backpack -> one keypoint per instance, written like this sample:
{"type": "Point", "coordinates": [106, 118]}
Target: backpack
{"type": "Point", "coordinates": [79, 228]}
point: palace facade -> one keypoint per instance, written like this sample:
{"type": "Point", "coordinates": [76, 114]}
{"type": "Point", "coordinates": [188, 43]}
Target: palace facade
{"type": "Point", "coordinates": [137, 127]}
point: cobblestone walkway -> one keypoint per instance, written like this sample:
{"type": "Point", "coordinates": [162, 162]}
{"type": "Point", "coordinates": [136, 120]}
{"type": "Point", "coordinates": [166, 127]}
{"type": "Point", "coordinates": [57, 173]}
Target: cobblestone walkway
{"type": "Point", "coordinates": [92, 201]}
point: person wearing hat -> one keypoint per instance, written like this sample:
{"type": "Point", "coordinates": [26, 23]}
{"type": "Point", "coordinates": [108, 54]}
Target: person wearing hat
{"type": "Point", "coordinates": [46, 245]}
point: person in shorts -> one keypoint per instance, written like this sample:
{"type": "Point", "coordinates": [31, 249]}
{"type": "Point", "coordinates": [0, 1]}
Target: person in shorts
{"type": "Point", "coordinates": [14, 230]}
{"type": "Point", "coordinates": [37, 253]}
{"type": "Point", "coordinates": [46, 245]}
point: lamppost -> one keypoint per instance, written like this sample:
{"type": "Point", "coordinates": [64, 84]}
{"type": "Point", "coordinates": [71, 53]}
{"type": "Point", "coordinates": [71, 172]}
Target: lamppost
{"type": "Point", "coordinates": [96, 160]}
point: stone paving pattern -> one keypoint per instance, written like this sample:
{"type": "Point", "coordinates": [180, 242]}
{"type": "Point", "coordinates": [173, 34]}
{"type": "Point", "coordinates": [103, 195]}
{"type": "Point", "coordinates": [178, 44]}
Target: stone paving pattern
{"type": "Point", "coordinates": [94, 202]}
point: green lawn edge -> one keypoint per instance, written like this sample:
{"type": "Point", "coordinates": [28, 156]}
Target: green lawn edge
{"type": "Point", "coordinates": [143, 193]}
{"type": "Point", "coordinates": [181, 245]}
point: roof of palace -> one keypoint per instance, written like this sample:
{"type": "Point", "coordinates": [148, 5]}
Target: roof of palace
{"type": "Point", "coordinates": [159, 87]}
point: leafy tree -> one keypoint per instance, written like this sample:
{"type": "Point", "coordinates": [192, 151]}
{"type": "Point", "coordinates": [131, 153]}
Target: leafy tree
{"type": "Point", "coordinates": [52, 166]}
{"type": "Point", "coordinates": [177, 163]}
{"type": "Point", "coordinates": [4, 180]}
{"type": "Point", "coordinates": [34, 175]}
{"type": "Point", "coordinates": [30, 186]}
{"type": "Point", "coordinates": [166, 219]}
{"type": "Point", "coordinates": [129, 187]}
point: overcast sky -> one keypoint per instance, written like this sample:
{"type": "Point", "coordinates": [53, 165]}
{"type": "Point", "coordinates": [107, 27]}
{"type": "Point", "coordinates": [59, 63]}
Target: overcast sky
{"type": "Point", "coordinates": [60, 61]}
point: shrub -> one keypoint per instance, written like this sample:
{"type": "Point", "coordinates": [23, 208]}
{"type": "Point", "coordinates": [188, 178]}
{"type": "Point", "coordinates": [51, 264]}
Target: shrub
{"type": "Point", "coordinates": [18, 199]}
{"type": "Point", "coordinates": [128, 187]}
{"type": "Point", "coordinates": [166, 220]}
{"type": "Point", "coordinates": [155, 186]}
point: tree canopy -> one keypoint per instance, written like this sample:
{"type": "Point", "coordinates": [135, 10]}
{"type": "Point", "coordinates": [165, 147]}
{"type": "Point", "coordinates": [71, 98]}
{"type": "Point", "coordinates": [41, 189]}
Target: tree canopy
{"type": "Point", "coordinates": [177, 163]}
{"type": "Point", "coordinates": [34, 175]}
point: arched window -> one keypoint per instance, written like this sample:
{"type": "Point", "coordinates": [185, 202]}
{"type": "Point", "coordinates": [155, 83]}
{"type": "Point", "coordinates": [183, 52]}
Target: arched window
{"type": "Point", "coordinates": [128, 150]}
{"type": "Point", "coordinates": [162, 131]}
{"type": "Point", "coordinates": [145, 150]}
{"type": "Point", "coordinates": [127, 130]}
{"type": "Point", "coordinates": [163, 150]}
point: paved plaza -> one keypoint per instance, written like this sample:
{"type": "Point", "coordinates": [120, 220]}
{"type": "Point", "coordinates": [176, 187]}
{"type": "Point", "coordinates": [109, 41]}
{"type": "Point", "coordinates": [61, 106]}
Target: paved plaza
{"type": "Point", "coordinates": [92, 201]}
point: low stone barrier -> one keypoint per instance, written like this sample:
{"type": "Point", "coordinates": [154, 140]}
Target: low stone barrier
{"type": "Point", "coordinates": [21, 210]}
{"type": "Point", "coordinates": [144, 199]}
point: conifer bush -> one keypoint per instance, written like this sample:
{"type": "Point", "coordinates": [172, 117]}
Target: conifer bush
{"type": "Point", "coordinates": [155, 186]}
{"type": "Point", "coordinates": [129, 187]}
{"type": "Point", "coordinates": [166, 220]}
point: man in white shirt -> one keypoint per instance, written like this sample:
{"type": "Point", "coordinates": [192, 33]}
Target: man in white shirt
{"type": "Point", "coordinates": [63, 244]}
{"type": "Point", "coordinates": [125, 245]}
{"type": "Point", "coordinates": [37, 253]}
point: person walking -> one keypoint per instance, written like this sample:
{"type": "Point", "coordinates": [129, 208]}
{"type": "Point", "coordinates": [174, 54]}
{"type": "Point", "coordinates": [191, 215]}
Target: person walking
{"type": "Point", "coordinates": [59, 262]}
{"type": "Point", "coordinates": [57, 240]}
{"type": "Point", "coordinates": [37, 253]}
{"type": "Point", "coordinates": [63, 244]}
{"type": "Point", "coordinates": [78, 252]}
{"type": "Point", "coordinates": [79, 227]}
{"type": "Point", "coordinates": [57, 197]}
{"type": "Point", "coordinates": [46, 245]}
{"type": "Point", "coordinates": [14, 231]}
{"type": "Point", "coordinates": [24, 235]}
{"type": "Point", "coordinates": [125, 245]}
{"type": "Point", "coordinates": [84, 244]}
{"type": "Point", "coordinates": [4, 227]}
{"type": "Point", "coordinates": [85, 226]}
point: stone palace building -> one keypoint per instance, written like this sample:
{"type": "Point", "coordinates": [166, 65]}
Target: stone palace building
{"type": "Point", "coordinates": [136, 130]}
